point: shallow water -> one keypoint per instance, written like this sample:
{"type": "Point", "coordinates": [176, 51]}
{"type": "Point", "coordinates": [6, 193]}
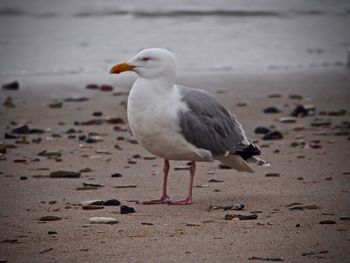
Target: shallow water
{"type": "Point", "coordinates": [41, 37]}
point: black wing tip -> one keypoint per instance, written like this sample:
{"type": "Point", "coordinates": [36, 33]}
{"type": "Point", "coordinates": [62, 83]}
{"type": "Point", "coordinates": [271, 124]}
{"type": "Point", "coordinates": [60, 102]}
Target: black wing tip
{"type": "Point", "coordinates": [249, 151]}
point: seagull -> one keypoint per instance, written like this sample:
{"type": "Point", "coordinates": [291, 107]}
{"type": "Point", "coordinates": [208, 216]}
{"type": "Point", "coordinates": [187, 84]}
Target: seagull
{"type": "Point", "coordinates": [175, 122]}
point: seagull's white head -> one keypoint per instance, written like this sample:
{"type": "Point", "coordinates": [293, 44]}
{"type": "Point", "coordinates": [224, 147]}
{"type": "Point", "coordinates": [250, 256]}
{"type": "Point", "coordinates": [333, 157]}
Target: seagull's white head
{"type": "Point", "coordinates": [150, 63]}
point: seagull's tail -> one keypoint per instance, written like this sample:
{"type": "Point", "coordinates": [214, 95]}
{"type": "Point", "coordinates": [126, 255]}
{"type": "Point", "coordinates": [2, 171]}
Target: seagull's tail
{"type": "Point", "coordinates": [235, 162]}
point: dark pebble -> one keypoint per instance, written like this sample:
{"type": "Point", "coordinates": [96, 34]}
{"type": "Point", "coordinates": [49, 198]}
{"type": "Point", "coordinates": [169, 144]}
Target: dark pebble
{"type": "Point", "coordinates": [274, 135]}
{"type": "Point", "coordinates": [126, 209]}
{"type": "Point", "coordinates": [50, 218]}
{"type": "Point", "coordinates": [297, 225]}
{"type": "Point", "coordinates": [241, 217]}
{"type": "Point", "coordinates": [76, 99]}
{"type": "Point", "coordinates": [64, 174]}
{"type": "Point", "coordinates": [327, 222]}
{"type": "Point", "coordinates": [91, 86]}
{"type": "Point", "coordinates": [111, 202]}
{"type": "Point", "coordinates": [261, 130]}
{"type": "Point", "coordinates": [90, 140]}
{"type": "Point", "coordinates": [52, 232]}
{"type": "Point", "coordinates": [299, 111]}
{"type": "Point", "coordinates": [271, 109]}
{"type": "Point", "coordinates": [272, 175]}
{"type": "Point", "coordinates": [114, 120]}
{"type": "Point", "coordinates": [116, 175]}
{"type": "Point", "coordinates": [21, 129]}
{"type": "Point", "coordinates": [11, 86]}
{"type": "Point", "coordinates": [10, 136]}
{"type": "Point", "coordinates": [97, 113]}
{"type": "Point", "coordinates": [82, 137]}
{"type": "Point", "coordinates": [106, 88]}
{"type": "Point", "coordinates": [23, 178]}
{"type": "Point", "coordinates": [71, 137]}
{"type": "Point", "coordinates": [70, 131]}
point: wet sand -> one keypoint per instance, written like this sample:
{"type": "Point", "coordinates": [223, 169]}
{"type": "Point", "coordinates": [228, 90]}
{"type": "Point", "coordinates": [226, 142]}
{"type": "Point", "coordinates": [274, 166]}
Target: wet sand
{"type": "Point", "coordinates": [309, 175]}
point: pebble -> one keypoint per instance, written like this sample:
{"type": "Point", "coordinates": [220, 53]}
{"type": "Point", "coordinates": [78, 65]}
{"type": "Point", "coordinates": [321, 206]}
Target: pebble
{"type": "Point", "coordinates": [106, 88]}
{"type": "Point", "coordinates": [241, 104]}
{"type": "Point", "coordinates": [215, 181]}
{"type": "Point", "coordinates": [344, 218]}
{"type": "Point", "coordinates": [91, 86]}
{"type": "Point", "coordinates": [85, 170]}
{"type": "Point", "coordinates": [274, 95]}
{"type": "Point", "coordinates": [11, 86]}
{"type": "Point", "coordinates": [241, 217]}
{"type": "Point", "coordinates": [299, 206]}
{"type": "Point", "coordinates": [273, 135]}
{"type": "Point", "coordinates": [272, 175]}
{"type": "Point", "coordinates": [23, 178]}
{"type": "Point", "coordinates": [299, 111]}
{"type": "Point", "coordinates": [92, 202]}
{"type": "Point", "coordinates": [125, 186]}
{"type": "Point", "coordinates": [52, 232]}
{"type": "Point", "coordinates": [287, 120]}
{"type": "Point", "coordinates": [93, 185]}
{"type": "Point", "coordinates": [321, 122]}
{"type": "Point", "coordinates": [76, 99]}
{"type": "Point", "coordinates": [64, 174]}
{"type": "Point", "coordinates": [341, 112]}
{"type": "Point", "coordinates": [50, 218]}
{"type": "Point", "coordinates": [295, 97]}
{"type": "Point", "coordinates": [111, 202]}
{"type": "Point", "coordinates": [114, 120]}
{"type": "Point", "coordinates": [327, 222]}
{"type": "Point", "coordinates": [235, 207]}
{"type": "Point", "coordinates": [181, 168]}
{"type": "Point", "coordinates": [298, 127]}
{"type": "Point", "coordinates": [50, 153]}
{"type": "Point", "coordinates": [97, 113]}
{"type": "Point", "coordinates": [10, 136]}
{"type": "Point", "coordinates": [265, 259]}
{"type": "Point", "coordinates": [103, 220]}
{"type": "Point", "coordinates": [86, 188]}
{"type": "Point", "coordinates": [271, 109]}
{"type": "Point", "coordinates": [56, 105]}
{"type": "Point", "coordinates": [92, 207]}
{"type": "Point", "coordinates": [314, 253]}
{"type": "Point", "coordinates": [8, 103]}
{"type": "Point", "coordinates": [116, 175]}
{"type": "Point", "coordinates": [261, 130]}
{"type": "Point", "coordinates": [224, 167]}
{"type": "Point", "coordinates": [126, 210]}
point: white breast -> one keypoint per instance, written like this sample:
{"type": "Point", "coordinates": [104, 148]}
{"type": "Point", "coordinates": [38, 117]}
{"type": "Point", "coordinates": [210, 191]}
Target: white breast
{"type": "Point", "coordinates": [153, 119]}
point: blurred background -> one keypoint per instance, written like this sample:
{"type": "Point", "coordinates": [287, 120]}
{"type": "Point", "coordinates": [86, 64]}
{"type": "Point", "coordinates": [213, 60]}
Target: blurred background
{"type": "Point", "coordinates": [65, 37]}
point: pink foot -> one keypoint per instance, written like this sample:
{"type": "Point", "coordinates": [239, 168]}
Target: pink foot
{"type": "Point", "coordinates": [186, 201]}
{"type": "Point", "coordinates": [162, 200]}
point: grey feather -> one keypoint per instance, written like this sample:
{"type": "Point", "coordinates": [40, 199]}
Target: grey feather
{"type": "Point", "coordinates": [208, 125]}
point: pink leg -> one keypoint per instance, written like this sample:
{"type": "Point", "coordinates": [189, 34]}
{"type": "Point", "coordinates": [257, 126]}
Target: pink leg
{"type": "Point", "coordinates": [188, 199]}
{"type": "Point", "coordinates": [164, 198]}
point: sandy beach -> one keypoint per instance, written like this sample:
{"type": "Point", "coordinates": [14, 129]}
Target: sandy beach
{"type": "Point", "coordinates": [301, 202]}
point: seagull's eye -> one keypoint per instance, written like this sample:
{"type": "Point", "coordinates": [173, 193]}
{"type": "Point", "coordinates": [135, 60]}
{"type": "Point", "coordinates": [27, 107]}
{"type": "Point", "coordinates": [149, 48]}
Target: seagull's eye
{"type": "Point", "coordinates": [145, 59]}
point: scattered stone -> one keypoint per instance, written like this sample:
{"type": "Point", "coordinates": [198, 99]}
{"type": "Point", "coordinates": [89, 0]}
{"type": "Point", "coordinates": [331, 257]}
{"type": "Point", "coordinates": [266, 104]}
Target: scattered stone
{"type": "Point", "coordinates": [91, 86]}
{"type": "Point", "coordinates": [93, 185]}
{"type": "Point", "coordinates": [23, 178]}
{"type": "Point", "coordinates": [295, 97]}
{"type": "Point", "coordinates": [318, 122]}
{"type": "Point", "coordinates": [299, 111]}
{"type": "Point", "coordinates": [329, 178]}
{"type": "Point", "coordinates": [265, 259]}
{"type": "Point", "coordinates": [21, 129]}
{"type": "Point", "coordinates": [111, 202]}
{"type": "Point", "coordinates": [121, 93]}
{"type": "Point", "coordinates": [97, 113]}
{"type": "Point", "coordinates": [10, 136]}
{"type": "Point", "coordinates": [46, 250]}
{"type": "Point", "coordinates": [241, 217]}
{"type": "Point", "coordinates": [56, 105]}
{"type": "Point", "coordinates": [344, 218]}
{"type": "Point", "coordinates": [85, 170]}
{"type": "Point", "coordinates": [241, 104]}
{"type": "Point", "coordinates": [64, 174]}
{"type": "Point", "coordinates": [272, 175]}
{"type": "Point", "coordinates": [10, 240]}
{"type": "Point", "coordinates": [146, 224]}
{"type": "Point", "coordinates": [287, 120]}
{"type": "Point", "coordinates": [271, 109]}
{"type": "Point", "coordinates": [273, 135]}
{"type": "Point", "coordinates": [224, 167]}
{"type": "Point", "coordinates": [314, 253]}
{"type": "Point", "coordinates": [8, 103]}
{"type": "Point", "coordinates": [50, 218]}
{"type": "Point", "coordinates": [299, 206]}
{"type": "Point", "coordinates": [103, 220]}
{"type": "Point", "coordinates": [126, 210]}
{"type": "Point", "coordinates": [149, 157]}
{"type": "Point", "coordinates": [50, 154]}
{"type": "Point", "coordinates": [106, 88]}
{"type": "Point", "coordinates": [86, 188]}
{"type": "Point", "coordinates": [11, 86]}
{"type": "Point", "coordinates": [215, 181]}
{"type": "Point", "coordinates": [274, 95]}
{"type": "Point", "coordinates": [261, 130]}
{"type": "Point", "coordinates": [337, 113]}
{"type": "Point", "coordinates": [76, 99]}
{"type": "Point", "coordinates": [92, 202]}
{"type": "Point", "coordinates": [235, 207]}
{"type": "Point", "coordinates": [52, 232]}
{"type": "Point", "coordinates": [181, 168]}
{"type": "Point", "coordinates": [298, 127]}
{"type": "Point", "coordinates": [116, 175]}
{"type": "Point", "coordinates": [327, 222]}
{"type": "Point", "coordinates": [192, 224]}
{"type": "Point", "coordinates": [92, 207]}
{"type": "Point", "coordinates": [114, 120]}
{"type": "Point", "coordinates": [125, 186]}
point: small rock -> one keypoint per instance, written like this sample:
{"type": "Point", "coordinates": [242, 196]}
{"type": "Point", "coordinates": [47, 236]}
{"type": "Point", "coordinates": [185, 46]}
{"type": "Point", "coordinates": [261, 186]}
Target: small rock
{"type": "Point", "coordinates": [321, 122]}
{"type": "Point", "coordinates": [126, 209]}
{"type": "Point", "coordinates": [295, 97]}
{"type": "Point", "coordinates": [241, 217]}
{"type": "Point", "coordinates": [327, 222]}
{"type": "Point", "coordinates": [50, 153]}
{"type": "Point", "coordinates": [272, 175]}
{"type": "Point", "coordinates": [299, 111]}
{"type": "Point", "coordinates": [273, 135]}
{"type": "Point", "coordinates": [85, 170]}
{"type": "Point", "coordinates": [8, 103]}
{"type": "Point", "coordinates": [64, 174]}
{"type": "Point", "coordinates": [56, 105]}
{"type": "Point", "coordinates": [111, 202]}
{"type": "Point", "coordinates": [298, 127]}
{"type": "Point", "coordinates": [241, 104]}
{"type": "Point", "coordinates": [116, 175]}
{"type": "Point", "coordinates": [50, 218]}
{"type": "Point", "coordinates": [103, 220]}
{"type": "Point", "coordinates": [271, 109]}
{"type": "Point", "coordinates": [299, 206]}
{"type": "Point", "coordinates": [97, 113]}
{"type": "Point", "coordinates": [314, 253]}
{"type": "Point", "coordinates": [265, 259]}
{"type": "Point", "coordinates": [11, 86]}
{"type": "Point", "coordinates": [76, 99]}
{"type": "Point", "coordinates": [23, 178]}
{"type": "Point", "coordinates": [235, 207]}
{"type": "Point", "coordinates": [92, 207]}
{"type": "Point", "coordinates": [10, 136]}
{"type": "Point", "coordinates": [91, 86]}
{"type": "Point", "coordinates": [92, 202]}
{"type": "Point", "coordinates": [344, 218]}
{"type": "Point", "coordinates": [261, 130]}
{"type": "Point", "coordinates": [106, 88]}
{"type": "Point", "coordinates": [86, 188]}
{"type": "Point", "coordinates": [337, 113]}
{"type": "Point", "coordinates": [224, 167]}
{"type": "Point", "coordinates": [287, 120]}
{"type": "Point", "coordinates": [181, 168]}
{"type": "Point", "coordinates": [21, 129]}
{"type": "Point", "coordinates": [125, 186]}
{"type": "Point", "coordinates": [93, 185]}
{"type": "Point", "coordinates": [114, 120]}
{"type": "Point", "coordinates": [51, 232]}
{"type": "Point", "coordinates": [274, 95]}
{"type": "Point", "coordinates": [215, 181]}
{"type": "Point", "coordinates": [45, 250]}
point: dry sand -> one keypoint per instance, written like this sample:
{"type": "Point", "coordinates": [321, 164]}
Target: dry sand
{"type": "Point", "coordinates": [190, 233]}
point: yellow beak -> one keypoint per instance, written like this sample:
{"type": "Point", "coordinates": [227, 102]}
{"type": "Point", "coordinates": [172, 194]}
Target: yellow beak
{"type": "Point", "coordinates": [119, 68]}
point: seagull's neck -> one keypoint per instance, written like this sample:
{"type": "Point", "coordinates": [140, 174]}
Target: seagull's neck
{"type": "Point", "coordinates": [158, 86]}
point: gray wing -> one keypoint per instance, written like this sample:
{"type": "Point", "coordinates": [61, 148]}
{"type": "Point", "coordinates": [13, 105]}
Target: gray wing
{"type": "Point", "coordinates": [208, 125]}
